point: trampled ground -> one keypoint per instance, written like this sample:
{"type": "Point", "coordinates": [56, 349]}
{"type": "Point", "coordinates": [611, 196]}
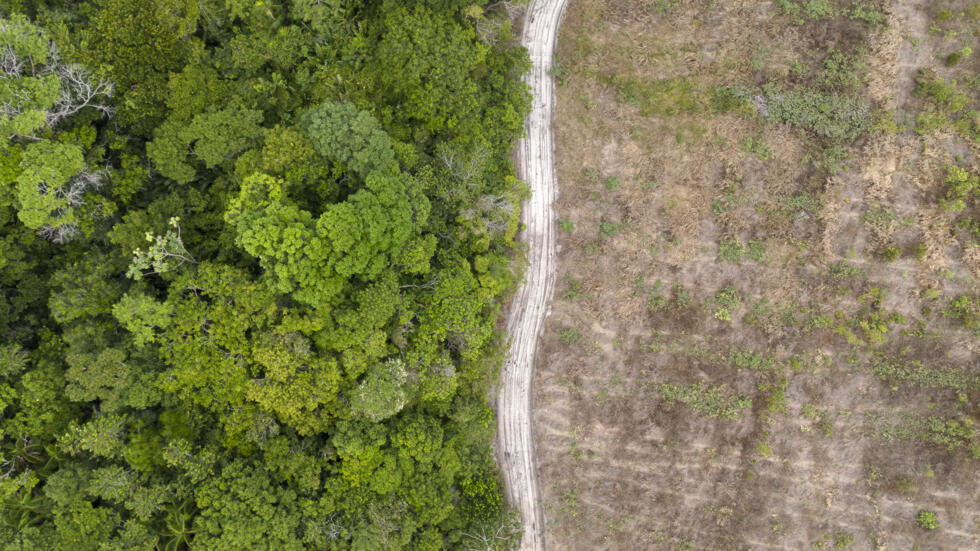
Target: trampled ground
{"type": "Point", "coordinates": [764, 334]}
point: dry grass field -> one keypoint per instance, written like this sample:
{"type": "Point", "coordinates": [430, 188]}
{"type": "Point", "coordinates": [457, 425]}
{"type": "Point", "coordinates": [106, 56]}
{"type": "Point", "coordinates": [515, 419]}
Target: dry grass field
{"type": "Point", "coordinates": [766, 328]}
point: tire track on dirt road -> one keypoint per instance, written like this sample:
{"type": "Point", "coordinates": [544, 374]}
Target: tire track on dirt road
{"type": "Point", "coordinates": [525, 320]}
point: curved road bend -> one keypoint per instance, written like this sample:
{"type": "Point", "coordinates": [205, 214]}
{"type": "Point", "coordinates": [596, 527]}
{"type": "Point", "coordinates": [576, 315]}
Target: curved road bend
{"type": "Point", "coordinates": [525, 321]}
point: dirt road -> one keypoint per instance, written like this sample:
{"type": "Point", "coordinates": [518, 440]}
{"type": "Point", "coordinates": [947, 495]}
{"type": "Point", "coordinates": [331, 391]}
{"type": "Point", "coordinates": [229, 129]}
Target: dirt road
{"type": "Point", "coordinates": [525, 322]}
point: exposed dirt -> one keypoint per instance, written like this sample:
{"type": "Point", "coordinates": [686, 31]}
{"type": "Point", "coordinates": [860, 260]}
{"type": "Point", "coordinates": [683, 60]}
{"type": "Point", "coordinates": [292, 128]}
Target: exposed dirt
{"type": "Point", "coordinates": [525, 319]}
{"type": "Point", "coordinates": [830, 454]}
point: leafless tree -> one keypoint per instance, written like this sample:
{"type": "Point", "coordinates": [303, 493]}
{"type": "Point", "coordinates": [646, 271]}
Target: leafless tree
{"type": "Point", "coordinates": [493, 211]}
{"type": "Point", "coordinates": [463, 168]}
{"type": "Point", "coordinates": [488, 538]}
{"type": "Point", "coordinates": [78, 89]}
{"type": "Point", "coordinates": [72, 195]}
{"type": "Point", "coordinates": [513, 9]}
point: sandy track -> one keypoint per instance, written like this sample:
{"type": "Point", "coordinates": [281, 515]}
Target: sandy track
{"type": "Point", "coordinates": [536, 166]}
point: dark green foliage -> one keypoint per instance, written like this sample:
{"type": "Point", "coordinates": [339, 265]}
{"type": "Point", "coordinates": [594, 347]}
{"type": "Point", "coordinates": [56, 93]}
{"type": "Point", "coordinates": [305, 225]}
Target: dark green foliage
{"type": "Point", "coordinates": [256, 308]}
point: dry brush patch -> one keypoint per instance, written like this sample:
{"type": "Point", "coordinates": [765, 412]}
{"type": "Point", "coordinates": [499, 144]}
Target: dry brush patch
{"type": "Point", "coordinates": [756, 341]}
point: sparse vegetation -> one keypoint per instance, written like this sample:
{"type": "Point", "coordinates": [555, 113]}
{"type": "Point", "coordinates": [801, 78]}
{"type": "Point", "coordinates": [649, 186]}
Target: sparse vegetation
{"type": "Point", "coordinates": [810, 246]}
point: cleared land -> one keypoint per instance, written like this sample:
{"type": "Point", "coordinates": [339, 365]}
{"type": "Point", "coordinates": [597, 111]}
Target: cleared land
{"type": "Point", "coordinates": [525, 319]}
{"type": "Point", "coordinates": [765, 326]}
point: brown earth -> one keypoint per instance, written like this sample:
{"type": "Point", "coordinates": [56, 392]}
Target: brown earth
{"type": "Point", "coordinates": [828, 455]}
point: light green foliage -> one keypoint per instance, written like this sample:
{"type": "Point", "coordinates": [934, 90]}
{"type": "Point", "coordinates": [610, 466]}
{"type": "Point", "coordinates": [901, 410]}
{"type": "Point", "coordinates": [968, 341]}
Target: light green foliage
{"type": "Point", "coordinates": [755, 361]}
{"type": "Point", "coordinates": [359, 237]}
{"type": "Point", "coordinates": [827, 115]}
{"type": "Point", "coordinates": [313, 259]}
{"type": "Point", "coordinates": [965, 310]}
{"type": "Point", "coordinates": [339, 131]}
{"type": "Point", "coordinates": [665, 97]}
{"type": "Point", "coordinates": [381, 394]}
{"type": "Point", "coordinates": [44, 190]}
{"type": "Point", "coordinates": [213, 310]}
{"type": "Point", "coordinates": [946, 432]}
{"type": "Point", "coordinates": [927, 520]}
{"type": "Point", "coordinates": [29, 96]}
{"type": "Point", "coordinates": [38, 90]}
{"type": "Point", "coordinates": [843, 72]}
{"type": "Point", "coordinates": [731, 250]}
{"type": "Point", "coordinates": [101, 436]}
{"type": "Point", "coordinates": [165, 253]}
{"type": "Point", "coordinates": [730, 98]}
{"type": "Point", "coordinates": [113, 378]}
{"type": "Point", "coordinates": [141, 315]}
{"type": "Point", "coordinates": [216, 137]}
{"type": "Point", "coordinates": [296, 383]}
{"type": "Point", "coordinates": [324, 198]}
{"type": "Point", "coordinates": [243, 509]}
{"type": "Point", "coordinates": [948, 106]}
{"type": "Point", "coordinates": [711, 401]}
{"type": "Point", "coordinates": [962, 189]}
{"type": "Point", "coordinates": [801, 11]}
{"type": "Point", "coordinates": [914, 373]}
{"type": "Point", "coordinates": [570, 336]}
{"type": "Point", "coordinates": [725, 302]}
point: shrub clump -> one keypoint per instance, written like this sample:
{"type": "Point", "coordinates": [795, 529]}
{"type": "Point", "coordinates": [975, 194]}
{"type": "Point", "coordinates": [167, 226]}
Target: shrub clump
{"type": "Point", "coordinates": [828, 115]}
{"type": "Point", "coordinates": [927, 520]}
{"type": "Point", "coordinates": [710, 401]}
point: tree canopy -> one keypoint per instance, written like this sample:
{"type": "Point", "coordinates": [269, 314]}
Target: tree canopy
{"type": "Point", "coordinates": [251, 262]}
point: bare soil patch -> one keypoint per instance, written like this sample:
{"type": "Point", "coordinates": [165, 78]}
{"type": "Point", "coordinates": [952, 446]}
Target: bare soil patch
{"type": "Point", "coordinates": [754, 341]}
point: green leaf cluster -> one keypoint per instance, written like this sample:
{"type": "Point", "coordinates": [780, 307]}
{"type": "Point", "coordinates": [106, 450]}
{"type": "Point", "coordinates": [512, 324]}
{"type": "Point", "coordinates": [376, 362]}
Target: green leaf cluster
{"type": "Point", "coordinates": [252, 257]}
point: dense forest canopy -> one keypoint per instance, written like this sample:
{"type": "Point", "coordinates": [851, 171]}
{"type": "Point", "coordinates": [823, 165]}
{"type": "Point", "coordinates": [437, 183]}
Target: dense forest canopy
{"type": "Point", "coordinates": [251, 260]}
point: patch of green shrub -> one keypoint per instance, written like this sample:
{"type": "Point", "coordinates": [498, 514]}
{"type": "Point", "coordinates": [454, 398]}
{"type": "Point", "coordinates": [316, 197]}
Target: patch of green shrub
{"type": "Point", "coordinates": [711, 401]}
{"type": "Point", "coordinates": [927, 520]}
{"type": "Point", "coordinates": [827, 115]}
{"type": "Point", "coordinates": [680, 298]}
{"type": "Point", "coordinates": [961, 189]}
{"type": "Point", "coordinates": [947, 107]}
{"type": "Point", "coordinates": [729, 98]}
{"type": "Point", "coordinates": [725, 302]}
{"type": "Point", "coordinates": [965, 310]}
{"type": "Point", "coordinates": [757, 252]}
{"type": "Point", "coordinates": [609, 229]}
{"type": "Point", "coordinates": [914, 373]}
{"type": "Point", "coordinates": [570, 336]}
{"type": "Point", "coordinates": [656, 300]}
{"type": "Point", "coordinates": [801, 11]}
{"type": "Point", "coordinates": [731, 250]}
{"type": "Point", "coordinates": [764, 449]}
{"type": "Point", "coordinates": [755, 361]}
{"type": "Point", "coordinates": [867, 13]}
{"type": "Point", "coordinates": [843, 71]}
{"type": "Point", "coordinates": [662, 97]}
{"type": "Point", "coordinates": [891, 253]}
